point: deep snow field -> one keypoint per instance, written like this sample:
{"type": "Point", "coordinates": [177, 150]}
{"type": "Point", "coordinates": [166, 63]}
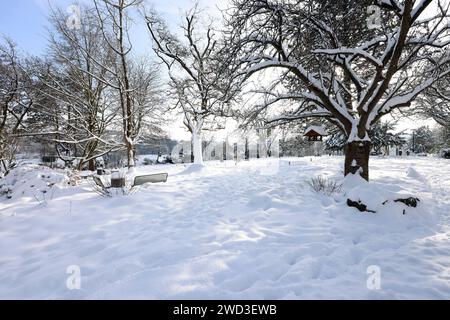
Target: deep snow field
{"type": "Point", "coordinates": [254, 230]}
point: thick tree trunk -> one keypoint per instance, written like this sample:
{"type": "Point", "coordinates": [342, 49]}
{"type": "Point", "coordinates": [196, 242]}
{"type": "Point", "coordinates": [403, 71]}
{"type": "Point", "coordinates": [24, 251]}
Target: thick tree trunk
{"type": "Point", "coordinates": [130, 156]}
{"type": "Point", "coordinates": [91, 165]}
{"type": "Point", "coordinates": [197, 146]}
{"type": "Point", "coordinates": [247, 151]}
{"type": "Point", "coordinates": [357, 158]}
{"type": "Point", "coordinates": [80, 165]}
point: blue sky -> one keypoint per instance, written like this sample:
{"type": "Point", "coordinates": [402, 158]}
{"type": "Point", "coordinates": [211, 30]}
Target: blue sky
{"type": "Point", "coordinates": [25, 21]}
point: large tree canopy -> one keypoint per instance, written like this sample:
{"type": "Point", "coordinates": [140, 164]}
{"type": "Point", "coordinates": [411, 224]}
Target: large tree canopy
{"type": "Point", "coordinates": [350, 76]}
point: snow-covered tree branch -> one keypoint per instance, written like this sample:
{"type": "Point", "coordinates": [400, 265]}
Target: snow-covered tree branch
{"type": "Point", "coordinates": [357, 75]}
{"type": "Point", "coordinates": [196, 72]}
{"type": "Point", "coordinates": [136, 83]}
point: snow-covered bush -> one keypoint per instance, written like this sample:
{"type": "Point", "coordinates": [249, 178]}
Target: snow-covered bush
{"type": "Point", "coordinates": [147, 162]}
{"type": "Point", "coordinates": [324, 186]}
{"type": "Point", "coordinates": [377, 197]}
{"type": "Point", "coordinates": [118, 184]}
{"type": "Point", "coordinates": [5, 190]}
{"type": "Point", "coordinates": [32, 181]}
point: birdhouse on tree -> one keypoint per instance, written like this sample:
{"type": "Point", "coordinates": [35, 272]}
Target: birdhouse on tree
{"type": "Point", "coordinates": [315, 133]}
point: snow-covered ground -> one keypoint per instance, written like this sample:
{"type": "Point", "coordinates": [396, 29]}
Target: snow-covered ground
{"type": "Point", "coordinates": [252, 230]}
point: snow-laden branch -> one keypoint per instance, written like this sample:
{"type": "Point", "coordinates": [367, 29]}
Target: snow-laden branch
{"type": "Point", "coordinates": [357, 84]}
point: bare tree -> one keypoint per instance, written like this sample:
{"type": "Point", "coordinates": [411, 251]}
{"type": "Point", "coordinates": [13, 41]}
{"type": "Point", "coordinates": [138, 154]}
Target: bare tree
{"type": "Point", "coordinates": [17, 98]}
{"type": "Point", "coordinates": [147, 111]}
{"type": "Point", "coordinates": [352, 84]}
{"type": "Point", "coordinates": [435, 104]}
{"type": "Point", "coordinates": [196, 73]}
{"type": "Point", "coordinates": [76, 76]}
{"type": "Point", "coordinates": [114, 22]}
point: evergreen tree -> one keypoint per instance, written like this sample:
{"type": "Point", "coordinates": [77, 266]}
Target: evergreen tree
{"type": "Point", "coordinates": [422, 140]}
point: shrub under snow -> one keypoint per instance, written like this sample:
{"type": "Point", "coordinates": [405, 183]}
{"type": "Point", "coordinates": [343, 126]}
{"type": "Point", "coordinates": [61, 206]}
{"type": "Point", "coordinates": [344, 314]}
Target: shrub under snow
{"type": "Point", "coordinates": [378, 197]}
{"type": "Point", "coordinates": [32, 181]}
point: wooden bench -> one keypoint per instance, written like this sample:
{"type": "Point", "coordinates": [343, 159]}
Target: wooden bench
{"type": "Point", "coordinates": [151, 178]}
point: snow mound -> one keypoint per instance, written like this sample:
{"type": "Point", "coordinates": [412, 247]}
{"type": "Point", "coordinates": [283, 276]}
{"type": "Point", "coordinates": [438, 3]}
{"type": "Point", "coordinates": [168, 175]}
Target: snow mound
{"type": "Point", "coordinates": [378, 197]}
{"type": "Point", "coordinates": [31, 181]}
{"type": "Point", "coordinates": [193, 168]}
{"type": "Point", "coordinates": [412, 173]}
{"type": "Point", "coordinates": [353, 181]}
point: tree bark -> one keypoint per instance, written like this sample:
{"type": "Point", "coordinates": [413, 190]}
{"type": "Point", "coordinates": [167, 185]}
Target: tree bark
{"type": "Point", "coordinates": [197, 146]}
{"type": "Point", "coordinates": [91, 165]}
{"type": "Point", "coordinates": [357, 158]}
{"type": "Point", "coordinates": [80, 166]}
{"type": "Point", "coordinates": [130, 155]}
